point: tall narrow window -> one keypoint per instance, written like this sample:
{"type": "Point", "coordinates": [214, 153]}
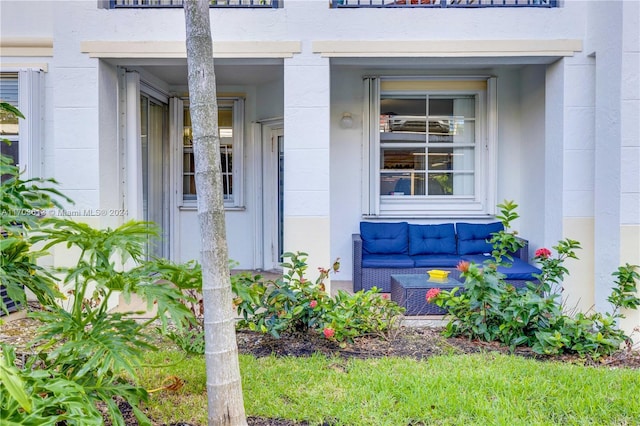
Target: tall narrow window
{"type": "Point", "coordinates": [230, 123]}
{"type": "Point", "coordinates": [9, 128]}
{"type": "Point", "coordinates": [22, 89]}
{"type": "Point", "coordinates": [430, 149]}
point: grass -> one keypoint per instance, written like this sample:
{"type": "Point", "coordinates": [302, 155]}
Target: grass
{"type": "Point", "coordinates": [482, 389]}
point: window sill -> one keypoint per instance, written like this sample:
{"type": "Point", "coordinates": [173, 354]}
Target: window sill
{"type": "Point", "coordinates": [194, 207]}
{"type": "Point", "coordinates": [448, 217]}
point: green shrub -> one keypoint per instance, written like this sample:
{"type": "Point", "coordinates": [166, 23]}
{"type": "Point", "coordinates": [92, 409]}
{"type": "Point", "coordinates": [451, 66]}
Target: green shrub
{"type": "Point", "coordinates": [492, 310]}
{"type": "Point", "coordinates": [85, 350]}
{"type": "Point", "coordinates": [32, 396]}
{"type": "Point", "coordinates": [22, 205]}
{"type": "Point", "coordinates": [365, 312]}
{"type": "Point", "coordinates": [84, 342]}
{"type": "Point", "coordinates": [296, 304]}
{"type": "Point", "coordinates": [289, 304]}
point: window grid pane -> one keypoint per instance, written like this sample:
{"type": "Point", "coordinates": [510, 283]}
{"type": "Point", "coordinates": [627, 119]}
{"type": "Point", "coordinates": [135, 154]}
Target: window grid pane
{"type": "Point", "coordinates": [226, 157]}
{"type": "Point", "coordinates": [225, 129]}
{"type": "Point", "coordinates": [431, 139]}
{"type": "Point", "coordinates": [9, 126]}
{"type": "Point", "coordinates": [9, 94]}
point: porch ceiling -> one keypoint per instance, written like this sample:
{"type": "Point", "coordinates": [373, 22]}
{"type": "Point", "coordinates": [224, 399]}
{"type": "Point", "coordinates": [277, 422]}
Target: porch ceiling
{"type": "Point", "coordinates": [229, 72]}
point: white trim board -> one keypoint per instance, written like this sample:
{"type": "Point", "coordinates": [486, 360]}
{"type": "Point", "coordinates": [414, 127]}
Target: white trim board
{"type": "Point", "coordinates": [26, 46]}
{"type": "Point", "coordinates": [446, 48]}
{"type": "Point", "coordinates": [177, 49]}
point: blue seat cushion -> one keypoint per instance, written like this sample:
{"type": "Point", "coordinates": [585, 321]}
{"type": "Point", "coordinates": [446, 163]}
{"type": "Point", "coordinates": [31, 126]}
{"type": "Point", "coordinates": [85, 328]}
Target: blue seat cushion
{"type": "Point", "coordinates": [473, 238]}
{"type": "Point", "coordinates": [475, 258]}
{"type": "Point", "coordinates": [384, 238]}
{"type": "Point", "coordinates": [436, 260]}
{"type": "Point", "coordinates": [432, 239]}
{"type": "Point", "coordinates": [519, 269]}
{"type": "Point", "coordinates": [387, 261]}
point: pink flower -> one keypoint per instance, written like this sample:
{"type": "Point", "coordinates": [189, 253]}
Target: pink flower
{"type": "Point", "coordinates": [543, 253]}
{"type": "Point", "coordinates": [313, 304]}
{"type": "Point", "coordinates": [432, 294]}
{"type": "Point", "coordinates": [386, 296]}
{"type": "Point", "coordinates": [463, 266]}
{"type": "Point", "coordinates": [328, 332]}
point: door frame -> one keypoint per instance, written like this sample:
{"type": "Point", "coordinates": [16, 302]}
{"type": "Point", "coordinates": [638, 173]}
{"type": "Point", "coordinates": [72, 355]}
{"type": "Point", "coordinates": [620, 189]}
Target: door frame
{"type": "Point", "coordinates": [158, 171]}
{"type": "Point", "coordinates": [271, 213]}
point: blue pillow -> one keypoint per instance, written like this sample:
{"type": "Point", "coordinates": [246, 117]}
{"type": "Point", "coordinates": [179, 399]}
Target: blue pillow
{"type": "Point", "coordinates": [385, 238]}
{"type": "Point", "coordinates": [473, 237]}
{"type": "Point", "coordinates": [432, 239]}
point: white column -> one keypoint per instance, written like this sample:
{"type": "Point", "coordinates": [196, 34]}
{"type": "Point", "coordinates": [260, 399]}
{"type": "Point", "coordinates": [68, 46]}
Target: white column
{"type": "Point", "coordinates": [578, 183]}
{"type": "Point", "coordinates": [306, 159]}
{"type": "Point", "coordinates": [607, 33]}
{"type": "Point", "coordinates": [630, 150]}
{"type": "Point", "coordinates": [133, 150]}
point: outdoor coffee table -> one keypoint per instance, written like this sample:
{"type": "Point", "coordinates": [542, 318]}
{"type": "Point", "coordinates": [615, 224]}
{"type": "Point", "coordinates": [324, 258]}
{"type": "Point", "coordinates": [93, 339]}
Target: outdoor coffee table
{"type": "Point", "coordinates": [410, 291]}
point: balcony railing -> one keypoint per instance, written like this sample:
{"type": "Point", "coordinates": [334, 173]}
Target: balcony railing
{"type": "Point", "coordinates": [443, 3]}
{"type": "Point", "coordinates": [123, 4]}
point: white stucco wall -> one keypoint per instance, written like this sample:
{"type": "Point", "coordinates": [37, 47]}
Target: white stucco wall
{"type": "Point", "coordinates": [520, 151]}
{"type": "Point", "coordinates": [630, 141]}
{"type": "Point", "coordinates": [568, 149]}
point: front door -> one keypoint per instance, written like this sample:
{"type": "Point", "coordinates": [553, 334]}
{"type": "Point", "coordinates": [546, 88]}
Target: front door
{"type": "Point", "coordinates": [155, 183]}
{"type": "Point", "coordinates": [273, 196]}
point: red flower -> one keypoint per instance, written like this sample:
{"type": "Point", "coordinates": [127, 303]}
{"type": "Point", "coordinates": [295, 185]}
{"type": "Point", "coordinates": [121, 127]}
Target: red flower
{"type": "Point", "coordinates": [313, 304]}
{"type": "Point", "coordinates": [543, 253]}
{"type": "Point", "coordinates": [328, 332]}
{"type": "Point", "coordinates": [463, 266]}
{"type": "Point", "coordinates": [432, 294]}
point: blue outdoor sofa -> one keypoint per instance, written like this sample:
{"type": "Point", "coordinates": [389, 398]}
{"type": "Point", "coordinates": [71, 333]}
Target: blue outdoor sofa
{"type": "Point", "coordinates": [382, 249]}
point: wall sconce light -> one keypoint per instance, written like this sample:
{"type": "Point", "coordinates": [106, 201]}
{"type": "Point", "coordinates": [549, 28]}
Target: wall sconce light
{"type": "Point", "coordinates": [346, 122]}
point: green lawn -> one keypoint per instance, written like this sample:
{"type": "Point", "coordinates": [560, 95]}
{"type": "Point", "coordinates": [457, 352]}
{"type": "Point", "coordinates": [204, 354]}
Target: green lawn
{"type": "Point", "coordinates": [484, 389]}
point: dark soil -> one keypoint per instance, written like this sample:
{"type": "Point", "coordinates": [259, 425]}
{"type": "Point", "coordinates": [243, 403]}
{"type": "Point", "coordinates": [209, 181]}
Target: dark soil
{"type": "Point", "coordinates": [412, 342]}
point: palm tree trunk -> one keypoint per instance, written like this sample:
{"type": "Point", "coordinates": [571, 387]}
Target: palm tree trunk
{"type": "Point", "coordinates": [224, 388]}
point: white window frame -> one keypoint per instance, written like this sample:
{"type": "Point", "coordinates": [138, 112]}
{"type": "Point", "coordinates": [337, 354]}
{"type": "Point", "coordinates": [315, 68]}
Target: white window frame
{"type": "Point", "coordinates": [483, 201]}
{"type": "Point", "coordinates": [30, 129]}
{"type": "Point", "coordinates": [237, 196]}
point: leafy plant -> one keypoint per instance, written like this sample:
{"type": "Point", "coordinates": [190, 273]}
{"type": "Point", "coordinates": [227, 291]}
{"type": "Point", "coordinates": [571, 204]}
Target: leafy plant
{"type": "Point", "coordinates": [296, 304]}
{"type": "Point", "coordinates": [84, 349]}
{"type": "Point", "coordinates": [32, 396]}
{"type": "Point", "coordinates": [625, 292]}
{"type": "Point", "coordinates": [22, 205]}
{"type": "Point", "coordinates": [492, 310]}
{"type": "Point", "coordinates": [86, 343]}
{"type": "Point", "coordinates": [289, 304]}
{"type": "Point", "coordinates": [506, 243]}
{"type": "Point", "coordinates": [365, 312]}
{"type": "Point", "coordinates": [553, 269]}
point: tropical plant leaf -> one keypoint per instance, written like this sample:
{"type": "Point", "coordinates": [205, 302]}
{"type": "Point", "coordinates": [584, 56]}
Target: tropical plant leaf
{"type": "Point", "coordinates": [10, 378]}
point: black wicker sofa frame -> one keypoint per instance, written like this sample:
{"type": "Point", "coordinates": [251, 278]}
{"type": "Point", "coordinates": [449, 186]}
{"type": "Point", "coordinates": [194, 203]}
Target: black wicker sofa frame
{"type": "Point", "coordinates": [365, 278]}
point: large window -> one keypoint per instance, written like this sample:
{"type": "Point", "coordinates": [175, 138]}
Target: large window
{"type": "Point", "coordinates": [430, 148]}
{"type": "Point", "coordinates": [23, 90]}
{"type": "Point", "coordinates": [230, 122]}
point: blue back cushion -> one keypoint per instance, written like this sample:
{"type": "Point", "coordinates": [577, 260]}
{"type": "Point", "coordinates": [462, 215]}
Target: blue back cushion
{"type": "Point", "coordinates": [432, 239]}
{"type": "Point", "coordinates": [384, 238]}
{"type": "Point", "coordinates": [473, 237]}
